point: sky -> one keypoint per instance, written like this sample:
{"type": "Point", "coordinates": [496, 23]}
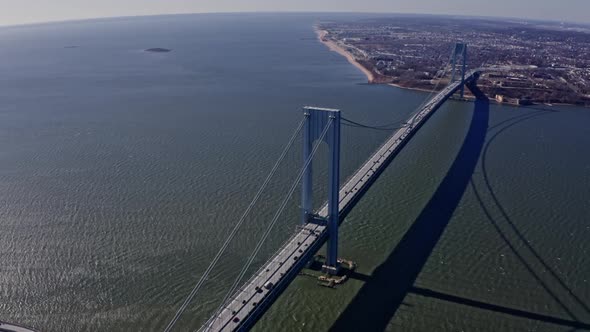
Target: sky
{"type": "Point", "coordinates": [14, 12]}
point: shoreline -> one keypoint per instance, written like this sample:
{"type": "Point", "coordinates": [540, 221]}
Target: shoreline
{"type": "Point", "coordinates": [407, 88]}
{"type": "Point", "coordinates": [334, 47]}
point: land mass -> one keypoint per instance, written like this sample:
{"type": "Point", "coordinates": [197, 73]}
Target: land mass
{"type": "Point", "coordinates": [158, 50]}
{"type": "Point", "coordinates": [522, 62]}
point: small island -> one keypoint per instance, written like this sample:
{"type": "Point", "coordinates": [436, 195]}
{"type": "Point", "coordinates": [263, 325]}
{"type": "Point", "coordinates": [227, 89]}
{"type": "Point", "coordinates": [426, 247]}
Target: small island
{"type": "Point", "coordinates": [158, 50]}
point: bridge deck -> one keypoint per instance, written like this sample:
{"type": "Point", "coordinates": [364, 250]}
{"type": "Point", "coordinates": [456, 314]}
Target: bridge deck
{"type": "Point", "coordinates": [254, 297]}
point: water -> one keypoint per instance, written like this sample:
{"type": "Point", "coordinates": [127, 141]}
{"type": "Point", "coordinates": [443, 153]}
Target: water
{"type": "Point", "coordinates": [122, 171]}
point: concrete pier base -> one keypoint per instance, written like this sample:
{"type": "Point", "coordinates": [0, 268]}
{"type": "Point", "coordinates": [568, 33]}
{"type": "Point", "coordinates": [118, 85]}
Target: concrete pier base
{"type": "Point", "coordinates": [331, 270]}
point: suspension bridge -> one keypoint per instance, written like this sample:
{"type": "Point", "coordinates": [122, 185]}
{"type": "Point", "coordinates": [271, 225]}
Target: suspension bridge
{"type": "Point", "coordinates": [244, 305]}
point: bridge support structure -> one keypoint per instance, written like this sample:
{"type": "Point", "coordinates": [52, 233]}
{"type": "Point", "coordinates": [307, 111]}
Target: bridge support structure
{"type": "Point", "coordinates": [459, 54]}
{"type": "Point", "coordinates": [316, 120]}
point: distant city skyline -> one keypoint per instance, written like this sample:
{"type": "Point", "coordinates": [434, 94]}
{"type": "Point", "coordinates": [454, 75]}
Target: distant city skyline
{"type": "Point", "coordinates": [16, 12]}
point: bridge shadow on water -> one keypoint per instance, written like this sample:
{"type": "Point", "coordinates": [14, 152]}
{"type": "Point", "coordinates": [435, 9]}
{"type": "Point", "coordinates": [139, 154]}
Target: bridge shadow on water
{"type": "Point", "coordinates": [499, 309]}
{"type": "Point", "coordinates": [505, 222]}
{"type": "Point", "coordinates": [384, 291]}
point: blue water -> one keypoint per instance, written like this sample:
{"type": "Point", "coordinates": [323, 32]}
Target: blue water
{"type": "Point", "coordinates": [121, 171]}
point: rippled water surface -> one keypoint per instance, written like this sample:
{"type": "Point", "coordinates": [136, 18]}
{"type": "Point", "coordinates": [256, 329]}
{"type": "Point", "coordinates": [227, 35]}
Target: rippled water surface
{"type": "Point", "coordinates": [122, 171]}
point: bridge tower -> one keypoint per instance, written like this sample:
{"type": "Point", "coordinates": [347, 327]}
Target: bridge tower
{"type": "Point", "coordinates": [316, 120]}
{"type": "Point", "coordinates": [459, 53]}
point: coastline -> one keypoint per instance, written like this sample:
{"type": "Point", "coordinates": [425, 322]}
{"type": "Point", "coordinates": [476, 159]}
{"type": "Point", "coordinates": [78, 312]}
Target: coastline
{"type": "Point", "coordinates": [407, 88]}
{"type": "Point", "coordinates": [333, 46]}
{"type": "Point", "coordinates": [371, 77]}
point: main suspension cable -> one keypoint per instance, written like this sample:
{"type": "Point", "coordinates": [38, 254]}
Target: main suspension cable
{"type": "Point", "coordinates": [351, 123]}
{"type": "Point", "coordinates": [274, 220]}
{"type": "Point", "coordinates": [234, 231]}
{"type": "Point", "coordinates": [427, 99]}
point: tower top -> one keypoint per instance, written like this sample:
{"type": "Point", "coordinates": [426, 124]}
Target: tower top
{"type": "Point", "coordinates": [320, 109]}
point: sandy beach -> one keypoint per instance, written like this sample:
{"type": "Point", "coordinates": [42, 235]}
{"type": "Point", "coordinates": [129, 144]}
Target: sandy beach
{"type": "Point", "coordinates": [407, 88]}
{"type": "Point", "coordinates": [333, 46]}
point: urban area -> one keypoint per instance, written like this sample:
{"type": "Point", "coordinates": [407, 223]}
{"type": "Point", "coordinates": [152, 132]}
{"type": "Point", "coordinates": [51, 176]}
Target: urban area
{"type": "Point", "coordinates": [522, 62]}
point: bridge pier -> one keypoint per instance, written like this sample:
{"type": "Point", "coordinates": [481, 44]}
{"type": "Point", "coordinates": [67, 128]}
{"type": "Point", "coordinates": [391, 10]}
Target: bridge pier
{"type": "Point", "coordinates": [316, 120]}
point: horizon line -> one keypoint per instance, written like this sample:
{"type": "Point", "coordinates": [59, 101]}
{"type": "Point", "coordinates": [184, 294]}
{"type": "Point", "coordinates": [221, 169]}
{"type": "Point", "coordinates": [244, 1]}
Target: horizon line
{"type": "Point", "coordinates": [459, 16]}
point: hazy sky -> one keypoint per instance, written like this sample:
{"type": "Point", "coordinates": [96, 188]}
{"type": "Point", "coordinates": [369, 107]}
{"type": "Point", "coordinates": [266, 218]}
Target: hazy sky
{"type": "Point", "coordinates": [26, 11]}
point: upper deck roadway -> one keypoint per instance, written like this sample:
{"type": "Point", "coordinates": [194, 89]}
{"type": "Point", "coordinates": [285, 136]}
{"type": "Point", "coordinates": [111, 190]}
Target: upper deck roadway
{"type": "Point", "coordinates": [248, 304]}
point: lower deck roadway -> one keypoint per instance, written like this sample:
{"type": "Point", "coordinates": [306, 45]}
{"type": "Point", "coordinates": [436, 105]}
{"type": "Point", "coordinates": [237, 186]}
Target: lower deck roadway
{"type": "Point", "coordinates": [251, 301]}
